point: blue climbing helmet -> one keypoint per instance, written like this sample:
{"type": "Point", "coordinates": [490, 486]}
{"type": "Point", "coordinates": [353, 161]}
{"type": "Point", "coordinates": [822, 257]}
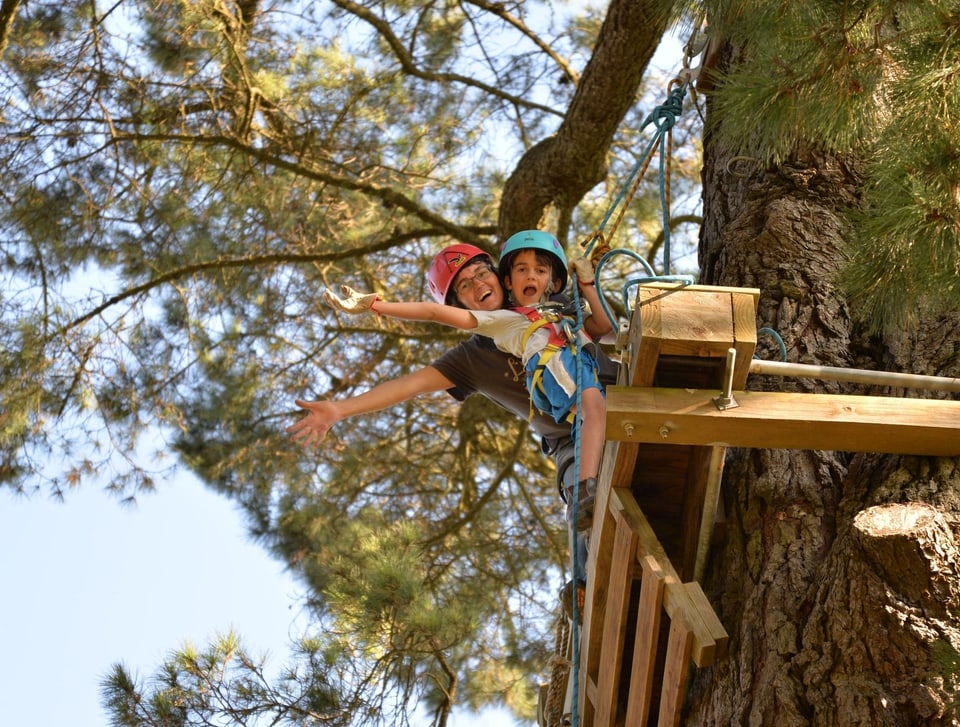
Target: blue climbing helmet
{"type": "Point", "coordinates": [534, 240]}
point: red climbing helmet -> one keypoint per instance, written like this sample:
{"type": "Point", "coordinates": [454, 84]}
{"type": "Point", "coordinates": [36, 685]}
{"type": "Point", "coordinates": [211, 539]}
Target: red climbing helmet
{"type": "Point", "coordinates": [536, 240]}
{"type": "Point", "coordinates": [447, 263]}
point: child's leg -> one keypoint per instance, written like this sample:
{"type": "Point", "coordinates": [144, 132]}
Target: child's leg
{"type": "Point", "coordinates": [592, 432]}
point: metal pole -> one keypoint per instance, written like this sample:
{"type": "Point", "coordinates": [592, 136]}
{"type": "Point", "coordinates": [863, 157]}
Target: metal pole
{"type": "Point", "coordinates": [860, 376]}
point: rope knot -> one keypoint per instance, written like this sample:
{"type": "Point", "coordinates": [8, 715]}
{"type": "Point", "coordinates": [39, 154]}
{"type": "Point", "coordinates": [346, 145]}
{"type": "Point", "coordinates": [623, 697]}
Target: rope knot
{"type": "Point", "coordinates": [665, 115]}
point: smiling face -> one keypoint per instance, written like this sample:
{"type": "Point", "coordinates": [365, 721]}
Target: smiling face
{"type": "Point", "coordinates": [477, 287]}
{"type": "Point", "coordinates": [531, 279]}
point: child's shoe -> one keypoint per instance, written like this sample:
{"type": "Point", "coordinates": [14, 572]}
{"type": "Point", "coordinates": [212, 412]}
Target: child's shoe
{"type": "Point", "coordinates": [566, 599]}
{"type": "Point", "coordinates": [587, 494]}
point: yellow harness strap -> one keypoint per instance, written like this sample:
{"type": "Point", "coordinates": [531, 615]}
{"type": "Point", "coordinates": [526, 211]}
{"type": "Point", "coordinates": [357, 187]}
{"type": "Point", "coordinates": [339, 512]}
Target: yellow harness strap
{"type": "Point", "coordinates": [534, 326]}
{"type": "Point", "coordinates": [548, 351]}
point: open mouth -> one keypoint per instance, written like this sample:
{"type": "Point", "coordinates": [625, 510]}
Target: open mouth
{"type": "Point", "coordinates": [484, 295]}
{"type": "Point", "coordinates": [530, 291]}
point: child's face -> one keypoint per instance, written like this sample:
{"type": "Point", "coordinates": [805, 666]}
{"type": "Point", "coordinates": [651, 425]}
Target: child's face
{"type": "Point", "coordinates": [530, 280]}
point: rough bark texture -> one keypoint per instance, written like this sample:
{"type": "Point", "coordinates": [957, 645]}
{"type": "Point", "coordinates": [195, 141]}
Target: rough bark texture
{"type": "Point", "coordinates": [837, 578]}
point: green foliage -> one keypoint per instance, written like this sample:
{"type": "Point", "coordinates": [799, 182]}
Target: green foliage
{"type": "Point", "coordinates": [190, 687]}
{"type": "Point", "coordinates": [182, 179]}
{"type": "Point", "coordinates": [879, 80]}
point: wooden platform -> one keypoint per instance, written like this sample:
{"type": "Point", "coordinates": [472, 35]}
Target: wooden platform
{"type": "Point", "coordinates": [680, 337]}
{"type": "Point", "coordinates": [646, 619]}
{"type": "Point", "coordinates": [679, 403]}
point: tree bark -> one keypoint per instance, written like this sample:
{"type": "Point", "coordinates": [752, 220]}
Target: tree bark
{"type": "Point", "coordinates": [837, 578]}
{"type": "Point", "coordinates": [876, 626]}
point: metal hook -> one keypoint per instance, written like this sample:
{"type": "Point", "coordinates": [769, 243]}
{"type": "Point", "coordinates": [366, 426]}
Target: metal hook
{"type": "Point", "coordinates": [696, 45]}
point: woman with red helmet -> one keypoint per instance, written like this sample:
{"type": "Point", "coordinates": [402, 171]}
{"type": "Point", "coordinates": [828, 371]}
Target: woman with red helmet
{"type": "Point", "coordinates": [448, 264]}
{"type": "Point", "coordinates": [464, 275]}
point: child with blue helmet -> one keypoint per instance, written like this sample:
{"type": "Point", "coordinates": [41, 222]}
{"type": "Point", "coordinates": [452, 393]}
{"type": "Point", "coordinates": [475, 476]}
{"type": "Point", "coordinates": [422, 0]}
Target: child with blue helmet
{"type": "Point", "coordinates": [538, 330]}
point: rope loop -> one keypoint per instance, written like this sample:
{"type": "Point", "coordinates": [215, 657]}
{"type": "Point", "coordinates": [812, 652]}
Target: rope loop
{"type": "Point", "coordinates": [779, 340]}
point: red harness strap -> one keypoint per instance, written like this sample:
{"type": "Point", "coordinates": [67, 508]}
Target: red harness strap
{"type": "Point", "coordinates": [539, 319]}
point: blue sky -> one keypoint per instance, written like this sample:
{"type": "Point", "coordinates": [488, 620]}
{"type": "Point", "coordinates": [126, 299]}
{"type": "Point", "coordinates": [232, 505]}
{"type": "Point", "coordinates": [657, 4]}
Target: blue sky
{"type": "Point", "coordinates": [87, 583]}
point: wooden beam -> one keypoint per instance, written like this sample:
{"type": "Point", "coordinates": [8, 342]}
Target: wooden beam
{"type": "Point", "coordinates": [615, 623]}
{"type": "Point", "coordinates": [599, 562]}
{"type": "Point", "coordinates": [691, 321]}
{"type": "Point", "coordinates": [779, 420]}
{"type": "Point", "coordinates": [708, 510]}
{"type": "Point", "coordinates": [643, 667]}
{"type": "Point", "coordinates": [675, 671]}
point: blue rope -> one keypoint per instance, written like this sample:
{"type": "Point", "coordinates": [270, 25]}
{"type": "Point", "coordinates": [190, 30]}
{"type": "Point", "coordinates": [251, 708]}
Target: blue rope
{"type": "Point", "coordinates": [574, 535]}
{"type": "Point", "coordinates": [663, 117]}
{"type": "Point", "coordinates": [778, 339]}
{"type": "Point", "coordinates": [632, 282]}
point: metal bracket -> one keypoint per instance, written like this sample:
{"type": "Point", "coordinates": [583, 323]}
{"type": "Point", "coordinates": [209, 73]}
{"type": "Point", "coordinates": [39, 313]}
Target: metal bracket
{"type": "Point", "coordinates": [726, 400]}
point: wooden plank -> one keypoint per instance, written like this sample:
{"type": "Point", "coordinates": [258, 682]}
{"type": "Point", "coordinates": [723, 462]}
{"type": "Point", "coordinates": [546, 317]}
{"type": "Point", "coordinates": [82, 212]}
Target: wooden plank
{"type": "Point", "coordinates": [624, 460]}
{"type": "Point", "coordinates": [674, 323]}
{"type": "Point", "coordinates": [696, 320]}
{"type": "Point", "coordinates": [671, 319]}
{"type": "Point", "coordinates": [643, 666]}
{"type": "Point", "coordinates": [623, 501]}
{"type": "Point", "coordinates": [676, 602]}
{"type": "Point", "coordinates": [675, 673]}
{"type": "Point", "coordinates": [708, 616]}
{"type": "Point", "coordinates": [588, 698]}
{"type": "Point", "coordinates": [745, 336]}
{"type": "Point", "coordinates": [645, 338]}
{"type": "Point", "coordinates": [599, 561]}
{"type": "Point", "coordinates": [615, 623]}
{"type": "Point", "coordinates": [781, 420]}
{"type": "Point", "coordinates": [711, 502]}
{"type": "Point", "coordinates": [694, 493]}
{"type": "Point", "coordinates": [695, 323]}
{"type": "Point", "coordinates": [668, 286]}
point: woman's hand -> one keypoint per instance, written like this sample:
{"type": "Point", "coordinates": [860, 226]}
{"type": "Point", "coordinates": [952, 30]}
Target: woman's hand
{"type": "Point", "coordinates": [353, 301]}
{"type": "Point", "coordinates": [321, 416]}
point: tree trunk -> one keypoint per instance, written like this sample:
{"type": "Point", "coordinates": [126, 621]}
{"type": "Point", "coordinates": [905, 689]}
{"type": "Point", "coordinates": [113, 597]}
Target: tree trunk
{"type": "Point", "coordinates": [837, 577]}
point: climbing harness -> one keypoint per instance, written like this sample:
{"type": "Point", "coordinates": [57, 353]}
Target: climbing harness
{"type": "Point", "coordinates": [558, 339]}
